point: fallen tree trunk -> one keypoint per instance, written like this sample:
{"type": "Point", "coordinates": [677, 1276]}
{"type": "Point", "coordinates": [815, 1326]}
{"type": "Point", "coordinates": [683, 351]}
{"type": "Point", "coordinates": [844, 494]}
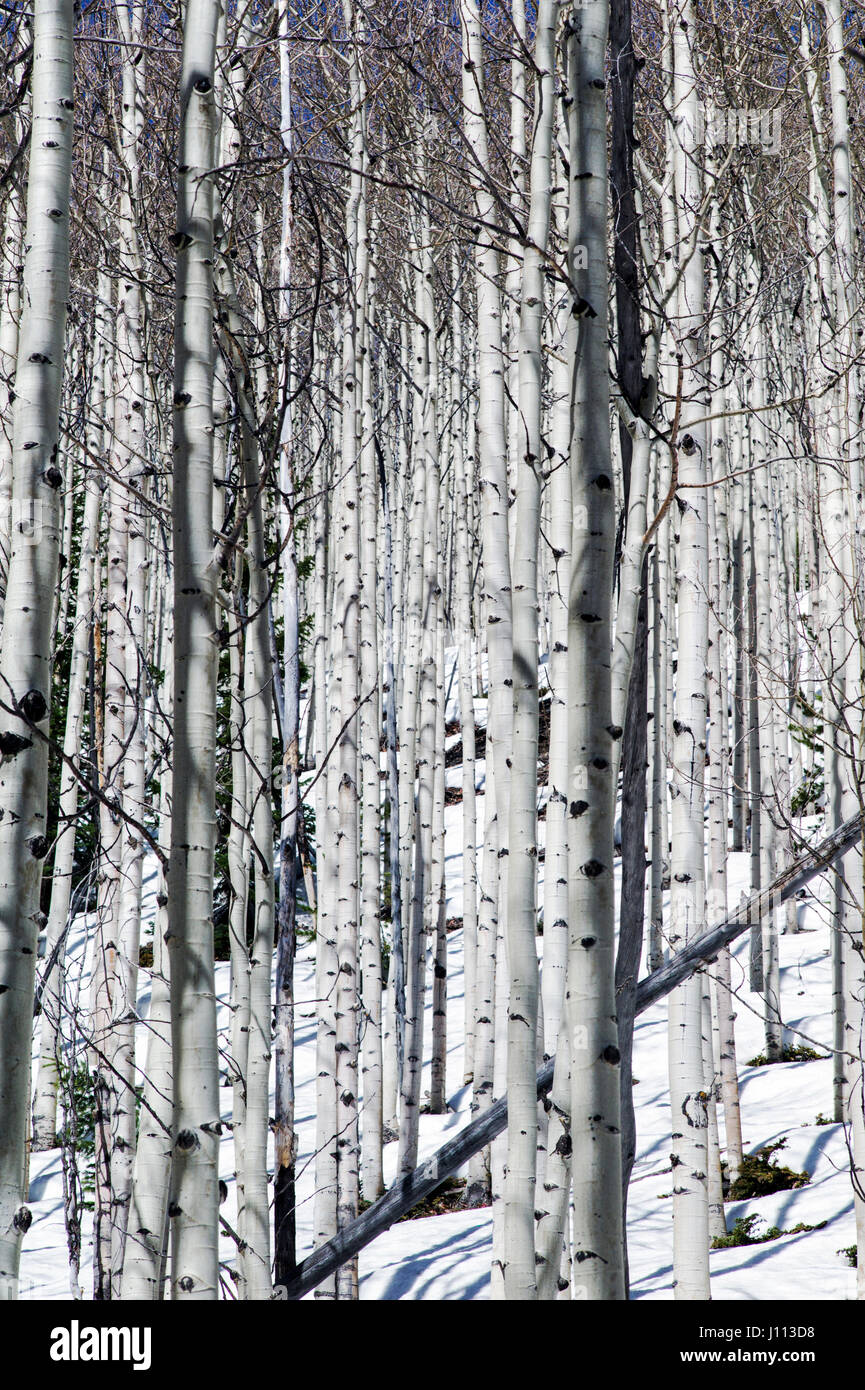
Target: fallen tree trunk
{"type": "Point", "coordinates": [412, 1188]}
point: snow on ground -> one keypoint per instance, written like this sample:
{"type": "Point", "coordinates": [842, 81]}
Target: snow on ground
{"type": "Point", "coordinates": [781, 1101]}
{"type": "Point", "coordinates": [448, 1257]}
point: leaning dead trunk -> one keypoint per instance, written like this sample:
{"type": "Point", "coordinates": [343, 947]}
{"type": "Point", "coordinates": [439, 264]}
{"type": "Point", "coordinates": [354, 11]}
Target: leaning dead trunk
{"type": "Point", "coordinates": [413, 1187]}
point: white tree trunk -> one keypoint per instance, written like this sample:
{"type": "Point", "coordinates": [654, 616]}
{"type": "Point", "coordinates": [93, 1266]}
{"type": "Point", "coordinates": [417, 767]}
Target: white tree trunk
{"type": "Point", "coordinates": [25, 652]}
{"type": "Point", "coordinates": [687, 1080]}
{"type": "Point", "coordinates": [10, 312]}
{"type": "Point", "coordinates": [590, 1007]}
{"type": "Point", "coordinates": [196, 1121]}
{"type": "Point", "coordinates": [522, 921]}
{"type": "Point", "coordinates": [492, 458]}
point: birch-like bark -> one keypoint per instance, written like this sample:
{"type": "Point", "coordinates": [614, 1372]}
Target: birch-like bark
{"type": "Point", "coordinates": [519, 1251]}
{"type": "Point", "coordinates": [552, 1242]}
{"type": "Point", "coordinates": [492, 459]}
{"type": "Point", "coordinates": [847, 559]}
{"type": "Point", "coordinates": [252, 1171]}
{"type": "Point", "coordinates": [45, 1100]}
{"type": "Point", "coordinates": [131, 455]}
{"type": "Point", "coordinates": [394, 1037]}
{"type": "Point", "coordinates": [436, 924]}
{"type": "Point", "coordinates": [820, 340]}
{"type": "Point", "coordinates": [590, 1005]}
{"type": "Point", "coordinates": [556, 840]}
{"type": "Point", "coordinates": [687, 907]}
{"type": "Point", "coordinates": [348, 617]}
{"type": "Point", "coordinates": [253, 1199]}
{"type": "Point", "coordinates": [107, 1079]}
{"type": "Point", "coordinates": [147, 1228]}
{"type": "Point", "coordinates": [422, 878]}
{"type": "Point", "coordinates": [238, 886]}
{"type": "Point", "coordinates": [763, 676]}
{"type": "Point", "coordinates": [637, 385]}
{"type": "Point", "coordinates": [196, 1119]}
{"type": "Point", "coordinates": [10, 312]}
{"type": "Point", "coordinates": [517, 168]}
{"type": "Point", "coordinates": [326, 964]}
{"type": "Point", "coordinates": [463, 460]}
{"type": "Point", "coordinates": [25, 655]}
{"type": "Point", "coordinates": [716, 889]}
{"type": "Point", "coordinates": [285, 1138]}
{"type": "Point", "coordinates": [370, 725]}
{"type": "Point", "coordinates": [256, 1256]}
{"type": "Point", "coordinates": [411, 629]}
{"type": "Point", "coordinates": [659, 619]}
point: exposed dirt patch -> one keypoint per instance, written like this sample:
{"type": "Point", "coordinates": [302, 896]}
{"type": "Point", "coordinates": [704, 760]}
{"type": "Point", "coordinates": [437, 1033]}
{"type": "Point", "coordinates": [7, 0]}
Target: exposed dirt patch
{"type": "Point", "coordinates": [446, 1199]}
{"type": "Point", "coordinates": [454, 755]}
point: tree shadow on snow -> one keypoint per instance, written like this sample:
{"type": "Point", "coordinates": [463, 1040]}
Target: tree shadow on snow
{"type": "Point", "coordinates": [423, 1271]}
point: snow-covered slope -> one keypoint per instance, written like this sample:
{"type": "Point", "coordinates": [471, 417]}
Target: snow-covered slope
{"type": "Point", "coordinates": [448, 1257]}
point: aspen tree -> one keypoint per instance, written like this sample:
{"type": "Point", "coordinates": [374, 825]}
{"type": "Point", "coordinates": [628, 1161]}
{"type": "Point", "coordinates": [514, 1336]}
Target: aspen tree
{"type": "Point", "coordinates": [285, 1138]}
{"type": "Point", "coordinates": [196, 1122]}
{"type": "Point", "coordinates": [327, 710]}
{"type": "Point", "coordinates": [463, 460]}
{"type": "Point", "coordinates": [370, 725]}
{"type": "Point", "coordinates": [253, 1212]}
{"type": "Point", "coordinates": [421, 899]}
{"type": "Point", "coordinates": [401, 516]}
{"type": "Point", "coordinates": [10, 312]}
{"type": "Point", "coordinates": [738, 547]}
{"type": "Point", "coordinates": [437, 919]}
{"type": "Point", "coordinates": [637, 384]}
{"type": "Point", "coordinates": [519, 1271]}
{"type": "Point", "coordinates": [659, 841]}
{"type": "Point", "coordinates": [846, 645]}
{"type": "Point", "coordinates": [255, 1261]}
{"type": "Point", "coordinates": [687, 1082]}
{"type": "Point", "coordinates": [553, 1196]}
{"type": "Point", "coordinates": [436, 915]}
{"type": "Point", "coordinates": [763, 679]}
{"type": "Point", "coordinates": [552, 1237]}
{"type": "Point", "coordinates": [347, 616]}
{"type": "Point", "coordinates": [238, 886]}
{"type": "Point", "coordinates": [556, 857]}
{"type": "Point", "coordinates": [819, 329]}
{"type": "Point", "coordinates": [25, 675]}
{"type": "Point", "coordinates": [394, 1036]}
{"type": "Point", "coordinates": [590, 1006]}
{"type": "Point", "coordinates": [716, 892]}
{"type": "Point", "coordinates": [108, 1083]}
{"type": "Point", "coordinates": [496, 573]}
{"type": "Point", "coordinates": [45, 1099]}
{"type": "Point", "coordinates": [256, 1258]}
{"type": "Point", "coordinates": [411, 634]}
{"type": "Point", "coordinates": [130, 434]}
{"type": "Point", "coordinates": [517, 162]}
{"type": "Point", "coordinates": [147, 1227]}
{"type": "Point", "coordinates": [102, 963]}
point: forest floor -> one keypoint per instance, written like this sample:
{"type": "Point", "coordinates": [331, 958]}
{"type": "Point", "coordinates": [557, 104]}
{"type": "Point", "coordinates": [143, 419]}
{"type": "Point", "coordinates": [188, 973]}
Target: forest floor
{"type": "Point", "coordinates": [448, 1256]}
